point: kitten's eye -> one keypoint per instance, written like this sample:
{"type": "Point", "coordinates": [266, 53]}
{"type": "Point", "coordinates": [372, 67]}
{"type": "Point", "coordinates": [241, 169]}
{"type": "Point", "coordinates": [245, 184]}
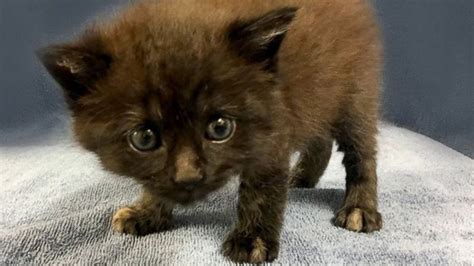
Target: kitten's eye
{"type": "Point", "coordinates": [144, 140]}
{"type": "Point", "coordinates": [220, 130]}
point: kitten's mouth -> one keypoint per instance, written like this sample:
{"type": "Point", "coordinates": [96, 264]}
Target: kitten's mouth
{"type": "Point", "coordinates": [186, 197]}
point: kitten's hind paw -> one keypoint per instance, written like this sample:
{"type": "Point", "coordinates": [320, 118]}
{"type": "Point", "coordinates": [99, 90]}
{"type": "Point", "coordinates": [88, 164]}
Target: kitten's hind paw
{"type": "Point", "coordinates": [133, 221]}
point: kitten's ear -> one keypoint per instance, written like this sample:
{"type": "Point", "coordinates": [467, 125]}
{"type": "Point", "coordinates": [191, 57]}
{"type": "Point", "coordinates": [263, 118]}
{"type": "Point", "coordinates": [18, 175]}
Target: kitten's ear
{"type": "Point", "coordinates": [258, 40]}
{"type": "Point", "coordinates": [75, 67]}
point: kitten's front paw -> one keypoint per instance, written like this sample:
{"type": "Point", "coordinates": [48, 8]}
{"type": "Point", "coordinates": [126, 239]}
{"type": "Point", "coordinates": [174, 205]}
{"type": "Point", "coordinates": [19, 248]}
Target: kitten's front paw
{"type": "Point", "coordinates": [137, 222]}
{"type": "Point", "coordinates": [359, 219]}
{"type": "Point", "coordinates": [252, 249]}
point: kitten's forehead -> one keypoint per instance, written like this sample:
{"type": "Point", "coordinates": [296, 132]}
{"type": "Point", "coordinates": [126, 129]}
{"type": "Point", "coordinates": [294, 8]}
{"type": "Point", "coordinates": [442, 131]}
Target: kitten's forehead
{"type": "Point", "coordinates": [176, 61]}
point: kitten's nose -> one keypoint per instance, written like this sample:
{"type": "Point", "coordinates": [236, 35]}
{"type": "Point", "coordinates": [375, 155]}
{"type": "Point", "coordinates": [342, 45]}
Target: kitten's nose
{"type": "Point", "coordinates": [188, 173]}
{"type": "Point", "coordinates": [188, 180]}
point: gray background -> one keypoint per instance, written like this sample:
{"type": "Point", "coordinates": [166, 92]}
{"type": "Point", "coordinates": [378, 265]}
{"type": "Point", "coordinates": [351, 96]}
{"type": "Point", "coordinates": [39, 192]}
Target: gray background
{"type": "Point", "coordinates": [428, 79]}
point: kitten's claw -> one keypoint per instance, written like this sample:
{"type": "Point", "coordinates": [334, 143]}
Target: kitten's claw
{"type": "Point", "coordinates": [136, 222]}
{"type": "Point", "coordinates": [359, 219]}
{"type": "Point", "coordinates": [251, 249]}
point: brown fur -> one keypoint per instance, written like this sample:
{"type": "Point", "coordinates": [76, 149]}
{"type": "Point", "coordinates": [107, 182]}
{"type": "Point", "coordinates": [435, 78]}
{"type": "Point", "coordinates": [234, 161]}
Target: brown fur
{"type": "Point", "coordinates": [175, 64]}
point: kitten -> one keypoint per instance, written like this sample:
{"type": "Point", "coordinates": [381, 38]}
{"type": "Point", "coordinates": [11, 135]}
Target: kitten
{"type": "Point", "coordinates": [182, 95]}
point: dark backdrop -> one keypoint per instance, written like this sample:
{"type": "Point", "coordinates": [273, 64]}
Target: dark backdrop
{"type": "Point", "coordinates": [428, 79]}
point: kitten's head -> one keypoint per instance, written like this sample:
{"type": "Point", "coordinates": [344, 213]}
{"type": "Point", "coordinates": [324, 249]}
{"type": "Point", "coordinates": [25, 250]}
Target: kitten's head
{"type": "Point", "coordinates": [177, 104]}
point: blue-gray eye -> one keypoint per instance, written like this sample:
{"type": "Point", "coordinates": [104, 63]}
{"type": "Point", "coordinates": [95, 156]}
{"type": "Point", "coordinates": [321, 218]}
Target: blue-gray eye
{"type": "Point", "coordinates": [220, 130]}
{"type": "Point", "coordinates": [144, 139]}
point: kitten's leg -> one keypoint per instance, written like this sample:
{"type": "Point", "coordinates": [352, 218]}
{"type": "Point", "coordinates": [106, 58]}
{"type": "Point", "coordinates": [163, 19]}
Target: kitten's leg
{"type": "Point", "coordinates": [148, 215]}
{"type": "Point", "coordinates": [262, 201]}
{"type": "Point", "coordinates": [313, 163]}
{"type": "Point", "coordinates": [356, 138]}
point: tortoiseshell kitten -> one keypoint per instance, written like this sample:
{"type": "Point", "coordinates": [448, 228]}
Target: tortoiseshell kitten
{"type": "Point", "coordinates": [182, 95]}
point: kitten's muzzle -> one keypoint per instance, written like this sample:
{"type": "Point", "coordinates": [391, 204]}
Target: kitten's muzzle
{"type": "Point", "coordinates": [188, 174]}
{"type": "Point", "coordinates": [188, 177]}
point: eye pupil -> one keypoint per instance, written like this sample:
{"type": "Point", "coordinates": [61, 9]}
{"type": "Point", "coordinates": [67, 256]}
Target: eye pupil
{"type": "Point", "coordinates": [221, 127]}
{"type": "Point", "coordinates": [144, 139]}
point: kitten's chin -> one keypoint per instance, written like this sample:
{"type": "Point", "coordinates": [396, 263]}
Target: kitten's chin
{"type": "Point", "coordinates": [188, 197]}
